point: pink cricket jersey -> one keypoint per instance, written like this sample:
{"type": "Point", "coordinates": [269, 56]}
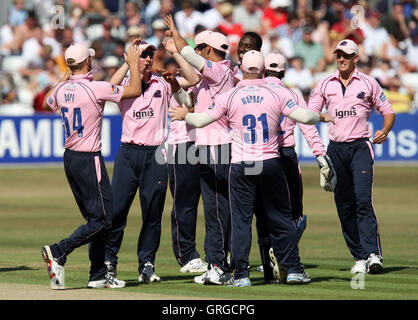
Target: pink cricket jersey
{"type": "Point", "coordinates": [238, 73]}
{"type": "Point", "coordinates": [287, 126]}
{"type": "Point", "coordinates": [351, 111]}
{"type": "Point", "coordinates": [253, 110]}
{"type": "Point", "coordinates": [145, 118]}
{"type": "Point", "coordinates": [217, 79]}
{"type": "Point", "coordinates": [81, 103]}
{"type": "Point", "coordinates": [180, 131]}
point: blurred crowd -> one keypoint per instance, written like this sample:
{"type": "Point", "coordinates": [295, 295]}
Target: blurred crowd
{"type": "Point", "coordinates": [36, 34]}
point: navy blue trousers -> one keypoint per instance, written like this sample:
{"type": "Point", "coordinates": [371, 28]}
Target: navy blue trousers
{"type": "Point", "coordinates": [265, 194]}
{"type": "Point", "coordinates": [214, 168]}
{"type": "Point", "coordinates": [353, 163]}
{"type": "Point", "coordinates": [138, 167]}
{"type": "Point", "coordinates": [86, 173]}
{"type": "Point", "coordinates": [185, 189]}
{"type": "Point", "coordinates": [290, 164]}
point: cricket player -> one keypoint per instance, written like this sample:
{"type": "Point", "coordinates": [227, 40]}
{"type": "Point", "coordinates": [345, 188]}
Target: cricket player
{"type": "Point", "coordinates": [183, 171]}
{"type": "Point", "coordinates": [253, 110]}
{"type": "Point", "coordinates": [350, 96]}
{"type": "Point", "coordinates": [81, 103]}
{"type": "Point", "coordinates": [214, 146]}
{"type": "Point", "coordinates": [275, 68]}
{"type": "Point", "coordinates": [249, 41]}
{"type": "Point", "coordinates": [141, 162]}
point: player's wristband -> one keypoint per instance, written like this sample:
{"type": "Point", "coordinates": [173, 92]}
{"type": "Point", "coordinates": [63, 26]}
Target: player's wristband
{"type": "Point", "coordinates": [182, 97]}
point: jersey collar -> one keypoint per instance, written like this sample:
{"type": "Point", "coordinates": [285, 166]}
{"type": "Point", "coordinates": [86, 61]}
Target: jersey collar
{"type": "Point", "coordinates": [88, 76]}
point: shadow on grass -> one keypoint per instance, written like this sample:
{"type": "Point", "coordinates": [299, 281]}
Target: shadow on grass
{"type": "Point", "coordinates": [19, 268]}
{"type": "Point", "coordinates": [388, 269]}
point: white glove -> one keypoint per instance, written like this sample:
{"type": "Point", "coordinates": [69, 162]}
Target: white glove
{"type": "Point", "coordinates": [327, 176]}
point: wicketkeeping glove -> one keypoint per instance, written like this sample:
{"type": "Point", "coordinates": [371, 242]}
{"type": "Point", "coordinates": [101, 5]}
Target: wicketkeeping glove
{"type": "Point", "coordinates": [327, 176]}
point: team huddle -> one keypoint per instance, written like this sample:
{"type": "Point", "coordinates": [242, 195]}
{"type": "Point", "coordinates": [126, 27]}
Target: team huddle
{"type": "Point", "coordinates": [230, 142]}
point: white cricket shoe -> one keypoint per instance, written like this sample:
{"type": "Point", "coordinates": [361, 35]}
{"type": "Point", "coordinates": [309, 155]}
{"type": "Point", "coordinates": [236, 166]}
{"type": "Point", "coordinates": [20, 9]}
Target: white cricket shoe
{"type": "Point", "coordinates": [374, 264]}
{"type": "Point", "coordinates": [55, 271]}
{"type": "Point", "coordinates": [97, 284]}
{"type": "Point", "coordinates": [195, 265]}
{"type": "Point", "coordinates": [147, 275]}
{"type": "Point", "coordinates": [298, 278]}
{"type": "Point", "coordinates": [359, 267]}
{"type": "Point", "coordinates": [201, 279]}
{"type": "Point", "coordinates": [215, 275]}
{"type": "Point", "coordinates": [243, 282]}
{"type": "Point", "coordinates": [114, 283]}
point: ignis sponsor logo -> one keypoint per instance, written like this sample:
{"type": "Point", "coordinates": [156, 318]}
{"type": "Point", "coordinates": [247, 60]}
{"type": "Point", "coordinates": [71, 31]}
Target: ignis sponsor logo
{"type": "Point", "coordinates": [138, 114]}
{"type": "Point", "coordinates": [345, 113]}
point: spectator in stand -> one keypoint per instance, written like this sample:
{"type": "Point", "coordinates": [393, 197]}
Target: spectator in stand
{"type": "Point", "coordinates": [311, 52]}
{"type": "Point", "coordinates": [233, 30]}
{"type": "Point", "coordinates": [26, 30]}
{"type": "Point", "coordinates": [133, 17]}
{"type": "Point", "coordinates": [110, 64]}
{"type": "Point", "coordinates": [97, 12]}
{"type": "Point", "coordinates": [292, 29]}
{"type": "Point", "coordinates": [375, 36]}
{"type": "Point", "coordinates": [187, 19]}
{"type": "Point", "coordinates": [275, 15]}
{"type": "Point", "coordinates": [36, 51]}
{"type": "Point", "coordinates": [150, 9]}
{"type": "Point", "coordinates": [166, 8]}
{"type": "Point", "coordinates": [7, 41]}
{"type": "Point", "coordinates": [78, 23]}
{"type": "Point", "coordinates": [249, 15]}
{"type": "Point", "coordinates": [299, 77]}
{"type": "Point", "coordinates": [107, 40]}
{"type": "Point", "coordinates": [399, 96]}
{"type": "Point", "coordinates": [213, 16]}
{"type": "Point", "coordinates": [118, 28]}
{"type": "Point", "coordinates": [395, 22]}
{"type": "Point", "coordinates": [391, 52]}
{"type": "Point", "coordinates": [158, 29]}
{"type": "Point", "coordinates": [8, 92]}
{"type": "Point", "coordinates": [97, 61]}
{"type": "Point", "coordinates": [47, 78]}
{"type": "Point", "coordinates": [382, 72]}
{"type": "Point", "coordinates": [18, 14]}
{"type": "Point", "coordinates": [412, 51]}
{"type": "Point", "coordinates": [132, 33]}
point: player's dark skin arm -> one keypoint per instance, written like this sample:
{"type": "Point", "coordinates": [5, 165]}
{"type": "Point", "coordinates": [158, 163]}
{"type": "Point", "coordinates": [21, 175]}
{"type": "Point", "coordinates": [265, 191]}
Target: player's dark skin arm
{"type": "Point", "coordinates": [381, 135]}
{"type": "Point", "coordinates": [44, 103]}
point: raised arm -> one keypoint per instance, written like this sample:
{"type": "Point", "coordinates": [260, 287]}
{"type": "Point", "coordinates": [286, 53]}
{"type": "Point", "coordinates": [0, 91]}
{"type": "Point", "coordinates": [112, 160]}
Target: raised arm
{"type": "Point", "coordinates": [186, 51]}
{"type": "Point", "coordinates": [189, 74]}
{"type": "Point", "coordinates": [121, 72]}
{"type": "Point", "coordinates": [134, 89]}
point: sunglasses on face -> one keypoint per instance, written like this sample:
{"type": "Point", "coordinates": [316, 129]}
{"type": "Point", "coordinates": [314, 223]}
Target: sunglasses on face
{"type": "Point", "coordinates": [147, 54]}
{"type": "Point", "coordinates": [346, 56]}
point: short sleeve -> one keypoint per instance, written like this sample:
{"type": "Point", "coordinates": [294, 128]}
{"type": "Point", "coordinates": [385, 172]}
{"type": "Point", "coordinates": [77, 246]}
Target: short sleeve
{"type": "Point", "coordinates": [316, 100]}
{"type": "Point", "coordinates": [288, 102]}
{"type": "Point", "coordinates": [106, 91]}
{"type": "Point", "coordinates": [52, 99]}
{"type": "Point", "coordinates": [380, 102]}
{"type": "Point", "coordinates": [213, 72]}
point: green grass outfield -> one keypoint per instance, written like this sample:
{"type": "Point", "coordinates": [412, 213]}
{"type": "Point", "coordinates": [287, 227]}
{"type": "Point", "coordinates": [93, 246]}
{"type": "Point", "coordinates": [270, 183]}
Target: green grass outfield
{"type": "Point", "coordinates": [37, 208]}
